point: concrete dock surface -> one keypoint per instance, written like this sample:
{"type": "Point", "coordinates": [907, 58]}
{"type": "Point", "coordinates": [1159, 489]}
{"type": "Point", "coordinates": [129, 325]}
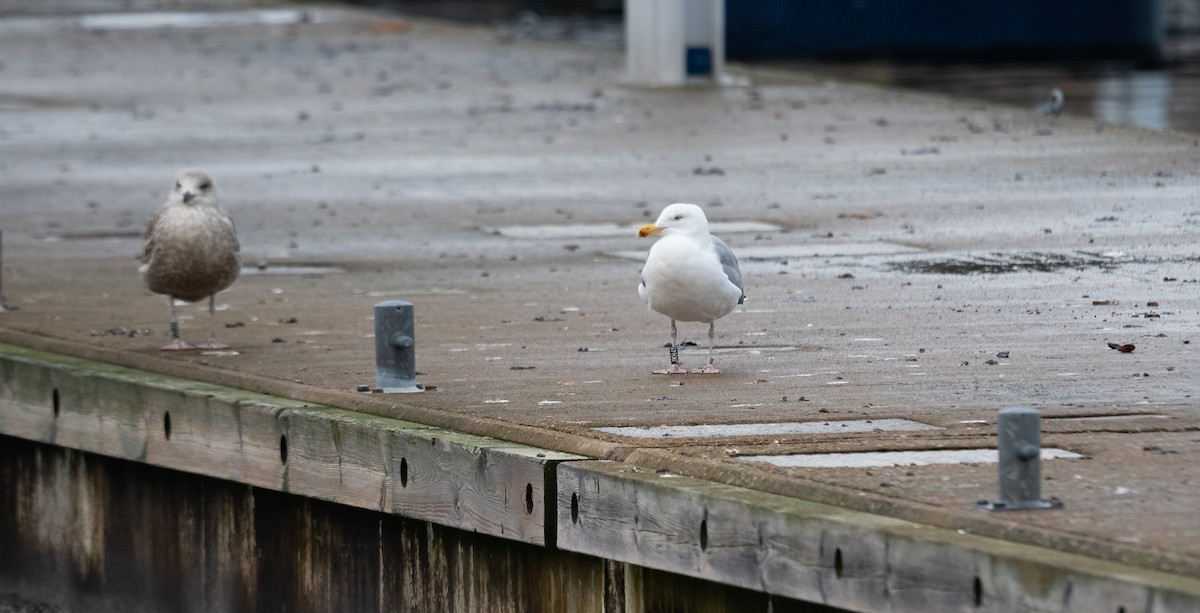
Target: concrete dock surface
{"type": "Point", "coordinates": [906, 256]}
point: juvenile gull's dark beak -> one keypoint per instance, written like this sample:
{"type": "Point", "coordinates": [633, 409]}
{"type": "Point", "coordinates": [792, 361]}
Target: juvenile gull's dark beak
{"type": "Point", "coordinates": [188, 197]}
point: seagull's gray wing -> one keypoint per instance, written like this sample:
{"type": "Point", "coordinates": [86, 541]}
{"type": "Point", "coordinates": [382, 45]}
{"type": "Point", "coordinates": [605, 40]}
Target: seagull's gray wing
{"type": "Point", "coordinates": [729, 263]}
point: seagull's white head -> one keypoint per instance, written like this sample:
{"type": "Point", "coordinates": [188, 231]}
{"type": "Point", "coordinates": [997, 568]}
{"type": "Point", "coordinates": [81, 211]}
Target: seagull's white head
{"type": "Point", "coordinates": [194, 187]}
{"type": "Point", "coordinates": [686, 219]}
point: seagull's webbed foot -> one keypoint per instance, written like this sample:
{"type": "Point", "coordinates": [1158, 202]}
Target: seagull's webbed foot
{"type": "Point", "coordinates": [707, 369]}
{"type": "Point", "coordinates": [176, 345]}
{"type": "Point", "coordinates": [675, 369]}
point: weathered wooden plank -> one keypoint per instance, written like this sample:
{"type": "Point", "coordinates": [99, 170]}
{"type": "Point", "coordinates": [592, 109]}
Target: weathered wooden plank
{"type": "Point", "coordinates": [87, 533]}
{"type": "Point", "coordinates": [29, 400]}
{"type": "Point", "coordinates": [213, 434]}
{"type": "Point", "coordinates": [834, 556]}
{"type": "Point", "coordinates": [469, 482]}
{"type": "Point", "coordinates": [477, 482]}
{"type": "Point", "coordinates": [340, 456]}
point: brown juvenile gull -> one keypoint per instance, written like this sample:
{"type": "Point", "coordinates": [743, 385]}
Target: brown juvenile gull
{"type": "Point", "coordinates": [690, 275]}
{"type": "Point", "coordinates": [191, 249]}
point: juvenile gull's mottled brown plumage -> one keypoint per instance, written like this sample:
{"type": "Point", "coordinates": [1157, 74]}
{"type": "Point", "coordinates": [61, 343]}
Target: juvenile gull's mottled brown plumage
{"type": "Point", "coordinates": [191, 249]}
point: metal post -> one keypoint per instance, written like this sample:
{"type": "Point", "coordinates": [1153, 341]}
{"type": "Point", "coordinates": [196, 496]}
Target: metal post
{"type": "Point", "coordinates": [673, 42]}
{"type": "Point", "coordinates": [1020, 450]}
{"type": "Point", "coordinates": [2, 309]}
{"type": "Point", "coordinates": [395, 351]}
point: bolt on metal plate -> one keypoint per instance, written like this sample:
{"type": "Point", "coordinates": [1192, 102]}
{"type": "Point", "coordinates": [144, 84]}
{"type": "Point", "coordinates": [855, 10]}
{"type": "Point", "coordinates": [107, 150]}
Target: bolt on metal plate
{"type": "Point", "coordinates": [395, 349]}
{"type": "Point", "coordinates": [1020, 450]}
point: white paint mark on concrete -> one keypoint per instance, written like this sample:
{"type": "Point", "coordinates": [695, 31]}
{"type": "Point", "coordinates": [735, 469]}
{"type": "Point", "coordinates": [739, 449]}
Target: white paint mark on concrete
{"type": "Point", "coordinates": [1109, 417]}
{"type": "Point", "coordinates": [777, 253]}
{"type": "Point", "coordinates": [152, 20]}
{"type": "Point", "coordinates": [770, 429]}
{"type": "Point", "coordinates": [285, 269]}
{"type": "Point", "coordinates": [433, 291]}
{"type": "Point", "coordinates": [897, 458]}
{"type": "Point", "coordinates": [612, 230]}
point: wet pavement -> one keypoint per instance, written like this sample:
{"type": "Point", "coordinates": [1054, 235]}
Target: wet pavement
{"type": "Point", "coordinates": [1112, 92]}
{"type": "Point", "coordinates": [906, 256]}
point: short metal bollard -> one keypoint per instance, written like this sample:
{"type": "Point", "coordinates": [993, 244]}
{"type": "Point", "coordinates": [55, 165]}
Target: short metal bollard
{"type": "Point", "coordinates": [2, 309]}
{"type": "Point", "coordinates": [395, 349]}
{"type": "Point", "coordinates": [1020, 443]}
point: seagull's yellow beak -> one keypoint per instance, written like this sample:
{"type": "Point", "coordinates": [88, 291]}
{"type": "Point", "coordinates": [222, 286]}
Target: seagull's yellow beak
{"type": "Point", "coordinates": [649, 230]}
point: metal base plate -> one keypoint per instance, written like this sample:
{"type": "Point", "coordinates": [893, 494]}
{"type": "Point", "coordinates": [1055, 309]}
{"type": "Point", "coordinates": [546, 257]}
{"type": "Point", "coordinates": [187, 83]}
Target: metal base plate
{"type": "Point", "coordinates": [1024, 505]}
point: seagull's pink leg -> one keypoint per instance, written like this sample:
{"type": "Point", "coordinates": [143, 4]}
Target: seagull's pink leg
{"type": "Point", "coordinates": [675, 368]}
{"type": "Point", "coordinates": [212, 333]}
{"type": "Point", "coordinates": [708, 369]}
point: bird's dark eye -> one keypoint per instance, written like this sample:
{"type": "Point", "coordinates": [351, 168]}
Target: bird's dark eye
{"type": "Point", "coordinates": [177, 186]}
{"type": "Point", "coordinates": [205, 185]}
{"type": "Point", "coordinates": [678, 217]}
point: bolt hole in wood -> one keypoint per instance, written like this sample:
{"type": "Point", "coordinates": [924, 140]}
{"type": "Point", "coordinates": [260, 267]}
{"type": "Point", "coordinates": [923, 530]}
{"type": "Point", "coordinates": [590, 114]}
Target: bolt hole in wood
{"type": "Point", "coordinates": [574, 508]}
{"type": "Point", "coordinates": [704, 534]}
{"type": "Point", "coordinates": [283, 449]}
{"type": "Point", "coordinates": [978, 592]}
{"type": "Point", "coordinates": [837, 562]}
{"type": "Point", "coordinates": [403, 472]}
{"type": "Point", "coordinates": [55, 401]}
{"type": "Point", "coordinates": [529, 499]}
{"type": "Point", "coordinates": [167, 424]}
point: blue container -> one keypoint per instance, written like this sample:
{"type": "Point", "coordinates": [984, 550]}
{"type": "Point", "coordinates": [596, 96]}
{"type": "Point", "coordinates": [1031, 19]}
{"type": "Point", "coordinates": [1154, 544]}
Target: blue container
{"type": "Point", "coordinates": [1010, 29]}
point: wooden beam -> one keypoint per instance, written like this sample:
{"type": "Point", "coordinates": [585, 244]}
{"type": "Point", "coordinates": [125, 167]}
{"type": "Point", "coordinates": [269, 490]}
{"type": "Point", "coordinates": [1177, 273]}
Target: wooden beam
{"type": "Point", "coordinates": [819, 553]}
{"type": "Point", "coordinates": [463, 481]}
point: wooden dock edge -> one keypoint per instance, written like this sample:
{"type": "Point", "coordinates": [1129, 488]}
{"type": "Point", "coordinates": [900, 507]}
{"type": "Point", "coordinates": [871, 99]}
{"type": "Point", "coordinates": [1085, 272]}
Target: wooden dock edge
{"type": "Point", "coordinates": [636, 521]}
{"type": "Point", "coordinates": [472, 483]}
{"type": "Point", "coordinates": [838, 557]}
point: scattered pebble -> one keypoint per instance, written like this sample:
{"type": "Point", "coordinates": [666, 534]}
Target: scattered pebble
{"type": "Point", "coordinates": [119, 331]}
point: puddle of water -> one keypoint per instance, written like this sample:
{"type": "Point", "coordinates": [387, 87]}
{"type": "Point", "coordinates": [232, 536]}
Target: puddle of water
{"type": "Point", "coordinates": [1001, 263]}
{"type": "Point", "coordinates": [1108, 91]}
{"type": "Point", "coordinates": [769, 429]}
{"type": "Point", "coordinates": [897, 458]}
{"type": "Point", "coordinates": [545, 232]}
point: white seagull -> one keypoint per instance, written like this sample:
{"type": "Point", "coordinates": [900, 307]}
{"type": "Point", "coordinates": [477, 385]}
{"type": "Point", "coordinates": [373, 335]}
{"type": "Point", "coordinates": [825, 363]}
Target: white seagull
{"type": "Point", "coordinates": [191, 249]}
{"type": "Point", "coordinates": [690, 275]}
